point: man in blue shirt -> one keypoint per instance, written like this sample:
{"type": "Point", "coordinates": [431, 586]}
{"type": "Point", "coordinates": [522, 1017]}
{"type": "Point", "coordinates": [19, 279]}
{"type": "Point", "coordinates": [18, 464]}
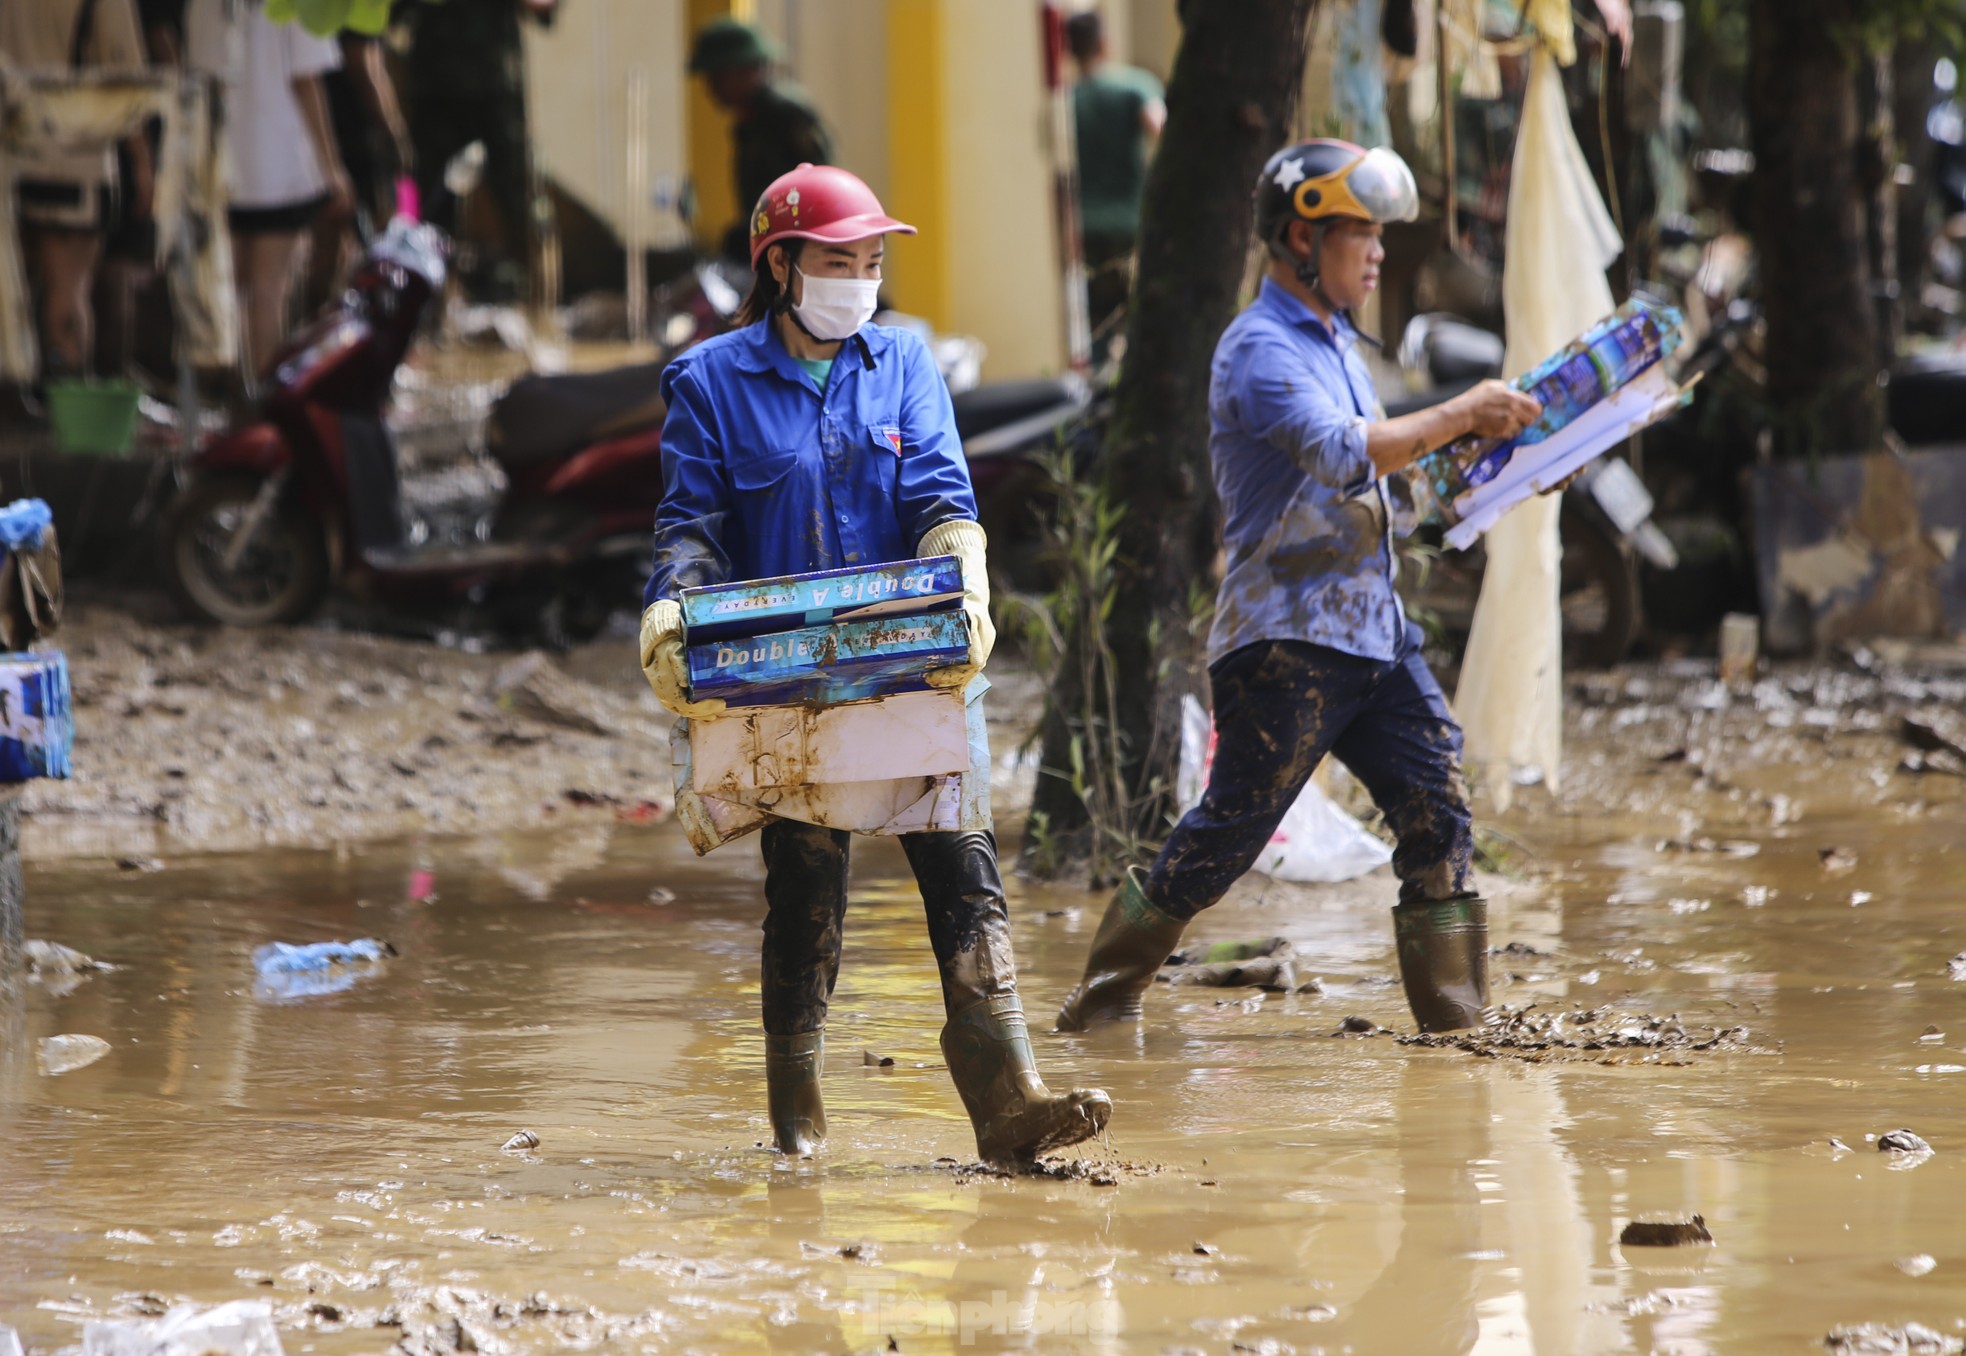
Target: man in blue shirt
{"type": "Point", "coordinates": [807, 440]}
{"type": "Point", "coordinates": [1311, 652]}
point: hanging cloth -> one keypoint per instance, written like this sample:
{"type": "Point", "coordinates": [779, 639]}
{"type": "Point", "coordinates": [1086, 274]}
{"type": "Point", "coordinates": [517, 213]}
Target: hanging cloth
{"type": "Point", "coordinates": [1560, 239]}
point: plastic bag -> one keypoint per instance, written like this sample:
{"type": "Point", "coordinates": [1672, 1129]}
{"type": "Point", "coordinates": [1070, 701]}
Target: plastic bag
{"type": "Point", "coordinates": [241, 1328]}
{"type": "Point", "coordinates": [1317, 840]}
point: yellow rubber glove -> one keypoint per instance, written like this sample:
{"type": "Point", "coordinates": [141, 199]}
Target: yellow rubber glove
{"type": "Point", "coordinates": [666, 666]}
{"type": "Point", "coordinates": [963, 539]}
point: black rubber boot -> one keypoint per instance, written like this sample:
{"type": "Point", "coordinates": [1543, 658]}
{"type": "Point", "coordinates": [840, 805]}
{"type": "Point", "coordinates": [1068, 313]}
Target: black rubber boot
{"type": "Point", "coordinates": [798, 1117]}
{"type": "Point", "coordinates": [1133, 941]}
{"type": "Point", "coordinates": [1016, 1117]}
{"type": "Point", "coordinates": [1443, 960]}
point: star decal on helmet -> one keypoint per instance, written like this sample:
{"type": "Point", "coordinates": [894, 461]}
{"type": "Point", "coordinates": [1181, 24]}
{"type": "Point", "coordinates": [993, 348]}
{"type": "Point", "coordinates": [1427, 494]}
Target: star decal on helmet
{"type": "Point", "coordinates": [1290, 173]}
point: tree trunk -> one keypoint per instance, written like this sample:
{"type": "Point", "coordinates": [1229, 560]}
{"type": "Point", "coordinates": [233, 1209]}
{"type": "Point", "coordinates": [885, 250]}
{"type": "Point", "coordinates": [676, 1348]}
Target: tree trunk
{"type": "Point", "coordinates": [1877, 160]}
{"type": "Point", "coordinates": [1231, 103]}
{"type": "Point", "coordinates": [1911, 97]}
{"type": "Point", "coordinates": [1810, 212]}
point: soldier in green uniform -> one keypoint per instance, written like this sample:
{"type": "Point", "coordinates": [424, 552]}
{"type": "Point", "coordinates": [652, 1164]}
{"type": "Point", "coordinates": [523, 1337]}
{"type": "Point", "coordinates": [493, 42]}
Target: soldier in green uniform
{"type": "Point", "coordinates": [467, 82]}
{"type": "Point", "coordinates": [775, 128]}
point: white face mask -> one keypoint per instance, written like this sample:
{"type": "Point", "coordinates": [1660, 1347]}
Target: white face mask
{"type": "Point", "coordinates": [836, 308]}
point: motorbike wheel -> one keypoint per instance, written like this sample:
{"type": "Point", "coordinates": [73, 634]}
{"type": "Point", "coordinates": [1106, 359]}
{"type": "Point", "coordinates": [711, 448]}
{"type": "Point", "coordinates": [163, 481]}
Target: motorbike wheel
{"type": "Point", "coordinates": [1598, 595]}
{"type": "Point", "coordinates": [281, 575]}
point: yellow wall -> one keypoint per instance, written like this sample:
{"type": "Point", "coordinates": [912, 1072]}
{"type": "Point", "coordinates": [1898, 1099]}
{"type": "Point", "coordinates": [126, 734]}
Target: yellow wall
{"type": "Point", "coordinates": [938, 104]}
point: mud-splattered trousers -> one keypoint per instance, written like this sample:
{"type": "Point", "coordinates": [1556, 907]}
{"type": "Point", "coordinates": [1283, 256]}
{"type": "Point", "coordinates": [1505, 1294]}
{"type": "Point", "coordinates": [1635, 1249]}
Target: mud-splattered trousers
{"type": "Point", "coordinates": [1280, 707]}
{"type": "Point", "coordinates": [805, 913]}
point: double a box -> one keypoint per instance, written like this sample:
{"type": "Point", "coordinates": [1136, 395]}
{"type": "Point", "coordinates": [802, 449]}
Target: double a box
{"type": "Point", "coordinates": [37, 720]}
{"type": "Point", "coordinates": [829, 717]}
{"type": "Point", "coordinates": [825, 638]}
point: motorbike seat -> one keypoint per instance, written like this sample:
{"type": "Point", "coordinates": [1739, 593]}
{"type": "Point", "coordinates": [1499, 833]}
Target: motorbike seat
{"type": "Point", "coordinates": [1459, 352]}
{"type": "Point", "coordinates": [996, 404]}
{"type": "Point", "coordinates": [542, 418]}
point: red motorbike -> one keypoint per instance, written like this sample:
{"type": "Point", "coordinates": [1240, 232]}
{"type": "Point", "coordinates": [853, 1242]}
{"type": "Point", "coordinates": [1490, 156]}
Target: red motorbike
{"type": "Point", "coordinates": [305, 498]}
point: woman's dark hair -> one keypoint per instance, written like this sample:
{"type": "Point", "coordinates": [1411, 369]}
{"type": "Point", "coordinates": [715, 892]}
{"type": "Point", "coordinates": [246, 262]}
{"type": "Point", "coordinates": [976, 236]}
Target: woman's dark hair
{"type": "Point", "coordinates": [766, 295]}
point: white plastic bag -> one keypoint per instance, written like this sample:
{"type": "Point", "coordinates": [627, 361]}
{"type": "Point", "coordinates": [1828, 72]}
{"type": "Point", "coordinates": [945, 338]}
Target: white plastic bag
{"type": "Point", "coordinates": [241, 1328]}
{"type": "Point", "coordinates": [1317, 840]}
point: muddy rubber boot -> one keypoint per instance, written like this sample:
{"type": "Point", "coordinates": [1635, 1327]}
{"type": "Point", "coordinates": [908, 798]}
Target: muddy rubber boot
{"type": "Point", "coordinates": [1443, 960]}
{"type": "Point", "coordinates": [1133, 940]}
{"type": "Point", "coordinates": [1015, 1115]}
{"type": "Point", "coordinates": [798, 1117]}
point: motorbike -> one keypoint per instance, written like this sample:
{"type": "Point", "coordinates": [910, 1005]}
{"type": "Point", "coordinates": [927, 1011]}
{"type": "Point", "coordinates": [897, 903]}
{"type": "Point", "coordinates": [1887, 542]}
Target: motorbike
{"type": "Point", "coordinates": [306, 497]}
{"type": "Point", "coordinates": [1605, 525]}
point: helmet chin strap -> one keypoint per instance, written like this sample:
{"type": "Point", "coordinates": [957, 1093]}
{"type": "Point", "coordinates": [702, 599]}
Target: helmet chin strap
{"type": "Point", "coordinates": [1308, 274]}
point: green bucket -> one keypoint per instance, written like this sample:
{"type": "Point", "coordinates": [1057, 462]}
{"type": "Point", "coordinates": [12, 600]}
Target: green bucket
{"type": "Point", "coordinates": [98, 418]}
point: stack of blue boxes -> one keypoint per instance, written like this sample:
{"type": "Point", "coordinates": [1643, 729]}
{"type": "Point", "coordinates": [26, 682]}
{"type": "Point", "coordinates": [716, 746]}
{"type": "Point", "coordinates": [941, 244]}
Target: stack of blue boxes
{"type": "Point", "coordinates": [827, 637]}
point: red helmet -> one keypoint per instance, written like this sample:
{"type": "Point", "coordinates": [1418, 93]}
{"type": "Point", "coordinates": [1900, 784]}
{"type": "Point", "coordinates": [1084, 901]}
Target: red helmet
{"type": "Point", "coordinates": [818, 202]}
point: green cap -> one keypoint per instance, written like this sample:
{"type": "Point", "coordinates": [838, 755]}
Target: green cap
{"type": "Point", "coordinates": [728, 44]}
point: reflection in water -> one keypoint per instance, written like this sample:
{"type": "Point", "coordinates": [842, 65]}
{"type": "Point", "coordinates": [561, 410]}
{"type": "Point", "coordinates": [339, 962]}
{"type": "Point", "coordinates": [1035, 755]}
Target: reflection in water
{"type": "Point", "coordinates": [1270, 1183]}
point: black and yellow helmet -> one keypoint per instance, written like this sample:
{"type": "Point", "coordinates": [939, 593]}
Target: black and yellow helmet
{"type": "Point", "coordinates": [1326, 178]}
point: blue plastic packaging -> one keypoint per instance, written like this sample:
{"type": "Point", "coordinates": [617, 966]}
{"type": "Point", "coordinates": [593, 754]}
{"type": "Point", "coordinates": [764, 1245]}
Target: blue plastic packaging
{"type": "Point", "coordinates": [37, 719]}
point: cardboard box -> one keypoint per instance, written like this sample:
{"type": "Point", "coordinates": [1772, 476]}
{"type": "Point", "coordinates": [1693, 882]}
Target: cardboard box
{"type": "Point", "coordinates": [753, 607]}
{"type": "Point", "coordinates": [826, 665]}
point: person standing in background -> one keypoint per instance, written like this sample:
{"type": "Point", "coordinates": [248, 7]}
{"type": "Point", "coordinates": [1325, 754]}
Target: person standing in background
{"type": "Point", "coordinates": [374, 142]}
{"type": "Point", "coordinates": [465, 78]}
{"type": "Point", "coordinates": [68, 199]}
{"type": "Point", "coordinates": [285, 167]}
{"type": "Point", "coordinates": [776, 128]}
{"type": "Point", "coordinates": [1118, 112]}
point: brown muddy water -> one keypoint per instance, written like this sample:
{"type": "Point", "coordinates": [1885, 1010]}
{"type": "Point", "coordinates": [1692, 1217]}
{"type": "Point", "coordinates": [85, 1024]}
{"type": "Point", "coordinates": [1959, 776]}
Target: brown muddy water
{"type": "Point", "coordinates": [1268, 1186]}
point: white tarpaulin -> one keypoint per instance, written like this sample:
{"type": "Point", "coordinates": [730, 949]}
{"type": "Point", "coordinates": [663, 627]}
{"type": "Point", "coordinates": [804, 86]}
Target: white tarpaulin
{"type": "Point", "coordinates": [1560, 240]}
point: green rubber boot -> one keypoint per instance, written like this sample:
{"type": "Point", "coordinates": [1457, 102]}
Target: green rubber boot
{"type": "Point", "coordinates": [1016, 1117]}
{"type": "Point", "coordinates": [1133, 940]}
{"type": "Point", "coordinates": [1443, 960]}
{"type": "Point", "coordinates": [798, 1117]}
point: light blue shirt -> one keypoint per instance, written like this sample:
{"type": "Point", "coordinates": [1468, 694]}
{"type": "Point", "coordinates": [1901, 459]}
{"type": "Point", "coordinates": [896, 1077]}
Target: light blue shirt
{"type": "Point", "coordinates": [1307, 527]}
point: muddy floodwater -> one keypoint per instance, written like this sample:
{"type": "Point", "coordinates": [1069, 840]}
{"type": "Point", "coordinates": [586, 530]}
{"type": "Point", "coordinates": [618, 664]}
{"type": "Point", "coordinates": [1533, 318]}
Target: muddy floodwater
{"type": "Point", "coordinates": [1268, 1185]}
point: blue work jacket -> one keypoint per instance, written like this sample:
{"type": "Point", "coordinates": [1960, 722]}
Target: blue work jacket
{"type": "Point", "coordinates": [763, 474]}
{"type": "Point", "coordinates": [1306, 524]}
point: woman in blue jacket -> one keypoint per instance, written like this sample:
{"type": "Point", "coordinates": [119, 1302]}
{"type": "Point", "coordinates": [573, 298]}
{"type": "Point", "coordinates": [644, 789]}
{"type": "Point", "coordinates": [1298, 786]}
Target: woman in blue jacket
{"type": "Point", "coordinates": [806, 440]}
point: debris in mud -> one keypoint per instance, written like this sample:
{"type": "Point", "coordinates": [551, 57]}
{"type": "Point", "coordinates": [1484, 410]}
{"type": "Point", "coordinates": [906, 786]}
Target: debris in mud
{"type": "Point", "coordinates": [52, 963]}
{"type": "Point", "coordinates": [1875, 1339]}
{"type": "Point", "coordinates": [1276, 974]}
{"type": "Point", "coordinates": [1250, 1005]}
{"type": "Point", "coordinates": [852, 1252]}
{"type": "Point", "coordinates": [1519, 951]}
{"type": "Point", "coordinates": [9, 1342]}
{"type": "Point", "coordinates": [241, 1328]}
{"type": "Point", "coordinates": [1903, 1142]}
{"type": "Point", "coordinates": [289, 972]}
{"type": "Point", "coordinates": [1092, 1172]}
{"type": "Point", "coordinates": [1361, 1026]}
{"type": "Point", "coordinates": [531, 686]}
{"type": "Point", "coordinates": [1932, 1035]}
{"type": "Point", "coordinates": [1312, 1313]}
{"type": "Point", "coordinates": [1837, 1146]}
{"type": "Point", "coordinates": [1206, 1249]}
{"type": "Point", "coordinates": [521, 1142]}
{"type": "Point", "coordinates": [1726, 847]}
{"type": "Point", "coordinates": [1956, 967]}
{"type": "Point", "coordinates": [1923, 1264]}
{"type": "Point", "coordinates": [1665, 1233]}
{"type": "Point", "coordinates": [1837, 860]}
{"type": "Point", "coordinates": [142, 864]}
{"type": "Point", "coordinates": [1218, 953]}
{"type": "Point", "coordinates": [869, 1059]}
{"type": "Point", "coordinates": [1536, 1036]}
{"type": "Point", "coordinates": [1934, 732]}
{"type": "Point", "coordinates": [65, 1054]}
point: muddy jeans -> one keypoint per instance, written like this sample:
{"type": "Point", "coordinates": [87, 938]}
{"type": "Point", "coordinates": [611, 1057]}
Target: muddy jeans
{"type": "Point", "coordinates": [1280, 706]}
{"type": "Point", "coordinates": [805, 911]}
